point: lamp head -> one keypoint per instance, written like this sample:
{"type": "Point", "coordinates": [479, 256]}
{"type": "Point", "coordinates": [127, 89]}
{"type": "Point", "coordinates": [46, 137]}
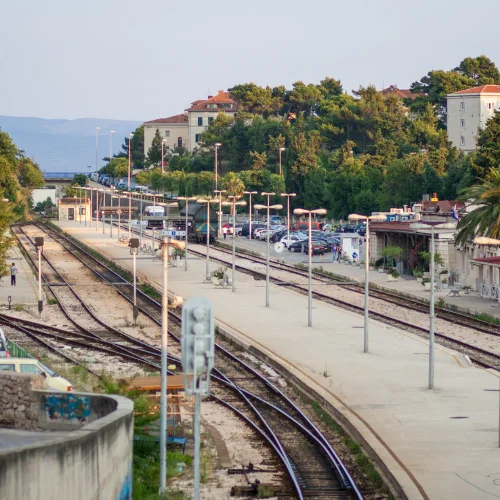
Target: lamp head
{"type": "Point", "coordinates": [250, 192]}
{"type": "Point", "coordinates": [259, 207]}
{"type": "Point", "coordinates": [276, 207]}
{"type": "Point", "coordinates": [300, 211]}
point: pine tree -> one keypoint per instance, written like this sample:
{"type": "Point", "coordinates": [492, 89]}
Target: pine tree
{"type": "Point", "coordinates": [154, 152]}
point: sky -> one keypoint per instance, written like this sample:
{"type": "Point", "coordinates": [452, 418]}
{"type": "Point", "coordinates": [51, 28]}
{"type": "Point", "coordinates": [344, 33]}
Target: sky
{"type": "Point", "coordinates": [141, 60]}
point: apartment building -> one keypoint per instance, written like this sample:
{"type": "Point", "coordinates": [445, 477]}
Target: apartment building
{"type": "Point", "coordinates": [468, 112]}
{"type": "Point", "coordinates": [173, 130]}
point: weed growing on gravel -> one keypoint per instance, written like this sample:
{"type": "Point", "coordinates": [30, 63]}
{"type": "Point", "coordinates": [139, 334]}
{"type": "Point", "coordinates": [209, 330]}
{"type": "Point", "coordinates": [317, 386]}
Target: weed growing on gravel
{"type": "Point", "coordinates": [19, 307]}
{"type": "Point", "coordinates": [51, 302]}
{"type": "Point", "coordinates": [488, 318]}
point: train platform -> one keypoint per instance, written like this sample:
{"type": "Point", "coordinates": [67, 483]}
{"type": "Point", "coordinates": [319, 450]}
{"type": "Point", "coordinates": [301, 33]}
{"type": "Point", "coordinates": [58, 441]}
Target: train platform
{"type": "Point", "coordinates": [471, 302]}
{"type": "Point", "coordinates": [441, 443]}
{"type": "Point", "coordinates": [26, 290]}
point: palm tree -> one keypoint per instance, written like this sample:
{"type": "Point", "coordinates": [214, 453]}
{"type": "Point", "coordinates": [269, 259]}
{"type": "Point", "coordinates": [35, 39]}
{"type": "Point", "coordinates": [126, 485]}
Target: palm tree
{"type": "Point", "coordinates": [233, 184]}
{"type": "Point", "coordinates": [485, 219]}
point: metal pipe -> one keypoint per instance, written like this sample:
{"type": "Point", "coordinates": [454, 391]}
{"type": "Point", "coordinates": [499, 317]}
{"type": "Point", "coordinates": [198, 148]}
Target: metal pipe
{"type": "Point", "coordinates": [234, 245]}
{"type": "Point", "coordinates": [267, 255]}
{"type": "Point", "coordinates": [40, 280]}
{"type": "Point", "coordinates": [309, 289]}
{"type": "Point", "coordinates": [163, 397]}
{"type": "Point", "coordinates": [431, 314]}
{"type": "Point", "coordinates": [367, 285]}
{"type": "Point", "coordinates": [197, 409]}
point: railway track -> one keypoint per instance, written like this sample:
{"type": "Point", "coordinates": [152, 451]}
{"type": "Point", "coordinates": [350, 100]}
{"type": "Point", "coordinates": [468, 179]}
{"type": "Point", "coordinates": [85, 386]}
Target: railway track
{"type": "Point", "coordinates": [477, 355]}
{"type": "Point", "coordinates": [311, 464]}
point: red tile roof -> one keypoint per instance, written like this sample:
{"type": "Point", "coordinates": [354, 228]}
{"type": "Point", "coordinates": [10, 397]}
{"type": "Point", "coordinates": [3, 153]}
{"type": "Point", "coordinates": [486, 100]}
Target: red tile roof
{"type": "Point", "coordinates": [483, 89]}
{"type": "Point", "coordinates": [171, 119]}
{"type": "Point", "coordinates": [401, 93]}
{"type": "Point", "coordinates": [222, 97]}
{"type": "Point", "coordinates": [488, 260]}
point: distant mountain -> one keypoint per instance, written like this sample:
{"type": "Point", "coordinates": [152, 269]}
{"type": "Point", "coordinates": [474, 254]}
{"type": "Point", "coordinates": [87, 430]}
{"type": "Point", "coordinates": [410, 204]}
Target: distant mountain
{"type": "Point", "coordinates": [66, 145]}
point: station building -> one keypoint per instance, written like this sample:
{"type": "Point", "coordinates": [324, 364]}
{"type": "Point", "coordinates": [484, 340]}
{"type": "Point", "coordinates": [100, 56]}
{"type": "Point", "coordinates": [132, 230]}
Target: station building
{"type": "Point", "coordinates": [74, 209]}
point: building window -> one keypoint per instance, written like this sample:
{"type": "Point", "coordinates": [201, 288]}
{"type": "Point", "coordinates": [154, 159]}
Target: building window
{"type": "Point", "coordinates": [210, 119]}
{"type": "Point", "coordinates": [212, 106]}
{"type": "Point", "coordinates": [82, 210]}
{"type": "Point", "coordinates": [462, 140]}
{"type": "Point", "coordinates": [167, 133]}
{"type": "Point", "coordinates": [179, 142]}
{"type": "Point", "coordinates": [462, 106]}
{"type": "Point", "coordinates": [490, 105]}
{"type": "Point", "coordinates": [200, 121]}
{"type": "Point", "coordinates": [462, 123]}
{"type": "Point", "coordinates": [227, 105]}
{"type": "Point", "coordinates": [197, 138]}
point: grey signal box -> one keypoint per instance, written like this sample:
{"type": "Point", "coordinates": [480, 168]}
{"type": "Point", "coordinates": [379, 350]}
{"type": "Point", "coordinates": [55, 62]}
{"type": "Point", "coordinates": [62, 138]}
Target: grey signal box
{"type": "Point", "coordinates": [197, 344]}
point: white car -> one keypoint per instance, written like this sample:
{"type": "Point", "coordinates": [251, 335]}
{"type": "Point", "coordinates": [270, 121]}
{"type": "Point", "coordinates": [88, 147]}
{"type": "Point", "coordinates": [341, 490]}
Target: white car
{"type": "Point", "coordinates": [257, 231]}
{"type": "Point", "coordinates": [262, 235]}
{"type": "Point", "coordinates": [292, 239]}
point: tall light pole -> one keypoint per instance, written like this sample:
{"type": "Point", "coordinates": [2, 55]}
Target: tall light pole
{"type": "Point", "coordinates": [207, 268]}
{"type": "Point", "coordinates": [111, 132]}
{"type": "Point", "coordinates": [96, 146]}
{"type": "Point", "coordinates": [128, 185]}
{"type": "Point", "coordinates": [358, 217]}
{"type": "Point", "coordinates": [217, 145]}
{"type": "Point", "coordinates": [280, 150]}
{"type": "Point", "coordinates": [288, 213]}
{"type": "Point", "coordinates": [423, 228]}
{"type": "Point", "coordinates": [97, 208]}
{"type": "Point", "coordinates": [268, 207]}
{"type": "Point", "coordinates": [163, 141]}
{"type": "Point", "coordinates": [250, 193]}
{"type": "Point", "coordinates": [39, 246]}
{"type": "Point", "coordinates": [301, 211]}
{"type": "Point", "coordinates": [91, 215]}
{"type": "Point", "coordinates": [234, 202]}
{"type": "Point", "coordinates": [187, 199]}
{"type": "Point", "coordinates": [219, 192]}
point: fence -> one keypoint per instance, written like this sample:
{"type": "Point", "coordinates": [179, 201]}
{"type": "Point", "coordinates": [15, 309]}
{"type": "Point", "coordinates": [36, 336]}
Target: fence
{"type": "Point", "coordinates": [17, 351]}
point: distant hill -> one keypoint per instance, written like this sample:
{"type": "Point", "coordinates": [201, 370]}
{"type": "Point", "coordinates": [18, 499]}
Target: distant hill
{"type": "Point", "coordinates": [66, 145]}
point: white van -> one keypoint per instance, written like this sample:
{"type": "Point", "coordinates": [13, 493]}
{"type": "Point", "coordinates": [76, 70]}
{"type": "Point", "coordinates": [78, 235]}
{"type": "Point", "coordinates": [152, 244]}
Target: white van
{"type": "Point", "coordinates": [154, 211]}
{"type": "Point", "coordinates": [35, 367]}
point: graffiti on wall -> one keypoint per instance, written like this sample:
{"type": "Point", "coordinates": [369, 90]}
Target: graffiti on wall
{"type": "Point", "coordinates": [126, 491]}
{"type": "Point", "coordinates": [67, 407]}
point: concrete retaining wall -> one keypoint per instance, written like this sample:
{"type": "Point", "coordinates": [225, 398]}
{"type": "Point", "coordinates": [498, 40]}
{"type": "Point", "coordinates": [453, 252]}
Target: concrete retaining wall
{"type": "Point", "coordinates": [18, 404]}
{"type": "Point", "coordinates": [92, 462]}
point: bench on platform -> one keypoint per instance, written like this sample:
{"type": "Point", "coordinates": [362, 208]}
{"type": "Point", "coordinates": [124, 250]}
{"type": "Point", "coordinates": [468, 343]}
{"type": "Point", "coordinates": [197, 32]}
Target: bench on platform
{"type": "Point", "coordinates": [455, 290]}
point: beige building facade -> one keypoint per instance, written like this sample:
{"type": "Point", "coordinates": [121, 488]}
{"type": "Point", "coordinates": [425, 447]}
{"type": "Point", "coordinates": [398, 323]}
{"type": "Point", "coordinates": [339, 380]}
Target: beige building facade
{"type": "Point", "coordinates": [173, 131]}
{"type": "Point", "coordinates": [468, 112]}
{"type": "Point", "coordinates": [74, 209]}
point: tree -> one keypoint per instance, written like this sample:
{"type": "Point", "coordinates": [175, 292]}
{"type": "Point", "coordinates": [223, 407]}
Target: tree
{"type": "Point", "coordinates": [480, 69]}
{"type": "Point", "coordinates": [233, 184]}
{"type": "Point", "coordinates": [154, 152]}
{"type": "Point", "coordinates": [256, 100]}
{"type": "Point", "coordinates": [136, 149]}
{"type": "Point", "coordinates": [80, 179]}
{"type": "Point", "coordinates": [488, 143]}
{"type": "Point", "coordinates": [484, 219]}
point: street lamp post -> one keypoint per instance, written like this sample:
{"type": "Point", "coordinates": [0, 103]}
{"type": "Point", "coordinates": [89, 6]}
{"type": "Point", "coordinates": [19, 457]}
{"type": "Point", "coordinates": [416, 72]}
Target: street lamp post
{"type": "Point", "coordinates": [96, 145]}
{"type": "Point", "coordinates": [187, 199]}
{"type": "Point", "coordinates": [97, 208]}
{"type": "Point", "coordinates": [207, 268]}
{"type": "Point", "coordinates": [288, 213]}
{"type": "Point", "coordinates": [268, 207]}
{"type": "Point", "coordinates": [39, 245]}
{"type": "Point", "coordinates": [217, 145]}
{"type": "Point", "coordinates": [250, 193]}
{"type": "Point", "coordinates": [367, 267]}
{"type": "Point", "coordinates": [233, 204]}
{"type": "Point", "coordinates": [301, 211]}
{"type": "Point", "coordinates": [280, 150]}
{"type": "Point", "coordinates": [163, 141]}
{"type": "Point", "coordinates": [111, 132]}
{"type": "Point", "coordinates": [128, 185]}
{"type": "Point", "coordinates": [419, 227]}
{"type": "Point", "coordinates": [103, 205]}
{"type": "Point", "coordinates": [219, 192]}
{"type": "Point", "coordinates": [88, 189]}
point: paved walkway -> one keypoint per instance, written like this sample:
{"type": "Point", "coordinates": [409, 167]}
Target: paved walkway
{"type": "Point", "coordinates": [438, 444]}
{"type": "Point", "coordinates": [26, 289]}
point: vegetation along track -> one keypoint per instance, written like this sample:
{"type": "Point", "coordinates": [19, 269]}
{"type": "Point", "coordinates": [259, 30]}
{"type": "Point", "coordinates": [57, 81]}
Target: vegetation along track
{"type": "Point", "coordinates": [314, 469]}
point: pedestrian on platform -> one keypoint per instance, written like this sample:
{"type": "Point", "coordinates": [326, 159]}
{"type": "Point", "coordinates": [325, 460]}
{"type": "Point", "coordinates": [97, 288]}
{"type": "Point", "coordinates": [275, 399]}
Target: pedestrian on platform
{"type": "Point", "coordinates": [13, 274]}
{"type": "Point", "coordinates": [339, 252]}
{"type": "Point", "coordinates": [224, 232]}
{"type": "Point", "coordinates": [334, 253]}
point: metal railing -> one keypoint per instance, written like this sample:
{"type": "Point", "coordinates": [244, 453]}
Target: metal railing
{"type": "Point", "coordinates": [61, 175]}
{"type": "Point", "coordinates": [17, 351]}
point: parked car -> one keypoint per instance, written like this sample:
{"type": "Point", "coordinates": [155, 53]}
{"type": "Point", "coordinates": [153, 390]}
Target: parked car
{"type": "Point", "coordinates": [275, 219]}
{"type": "Point", "coordinates": [4, 351]}
{"type": "Point", "coordinates": [292, 239]}
{"type": "Point", "coordinates": [256, 225]}
{"type": "Point", "coordinates": [277, 235]}
{"type": "Point", "coordinates": [263, 234]}
{"type": "Point", "coordinates": [35, 367]}
{"type": "Point", "coordinates": [257, 232]}
{"type": "Point", "coordinates": [296, 246]}
{"type": "Point", "coordinates": [318, 248]}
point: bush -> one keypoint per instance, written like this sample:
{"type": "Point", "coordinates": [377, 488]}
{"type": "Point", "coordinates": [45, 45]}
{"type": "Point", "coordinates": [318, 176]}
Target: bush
{"type": "Point", "coordinates": [394, 273]}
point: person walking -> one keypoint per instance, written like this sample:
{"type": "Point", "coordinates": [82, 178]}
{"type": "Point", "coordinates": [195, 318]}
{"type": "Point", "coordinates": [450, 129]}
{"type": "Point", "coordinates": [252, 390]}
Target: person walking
{"type": "Point", "coordinates": [224, 232]}
{"type": "Point", "coordinates": [334, 252]}
{"type": "Point", "coordinates": [339, 252]}
{"type": "Point", "coordinates": [13, 274]}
